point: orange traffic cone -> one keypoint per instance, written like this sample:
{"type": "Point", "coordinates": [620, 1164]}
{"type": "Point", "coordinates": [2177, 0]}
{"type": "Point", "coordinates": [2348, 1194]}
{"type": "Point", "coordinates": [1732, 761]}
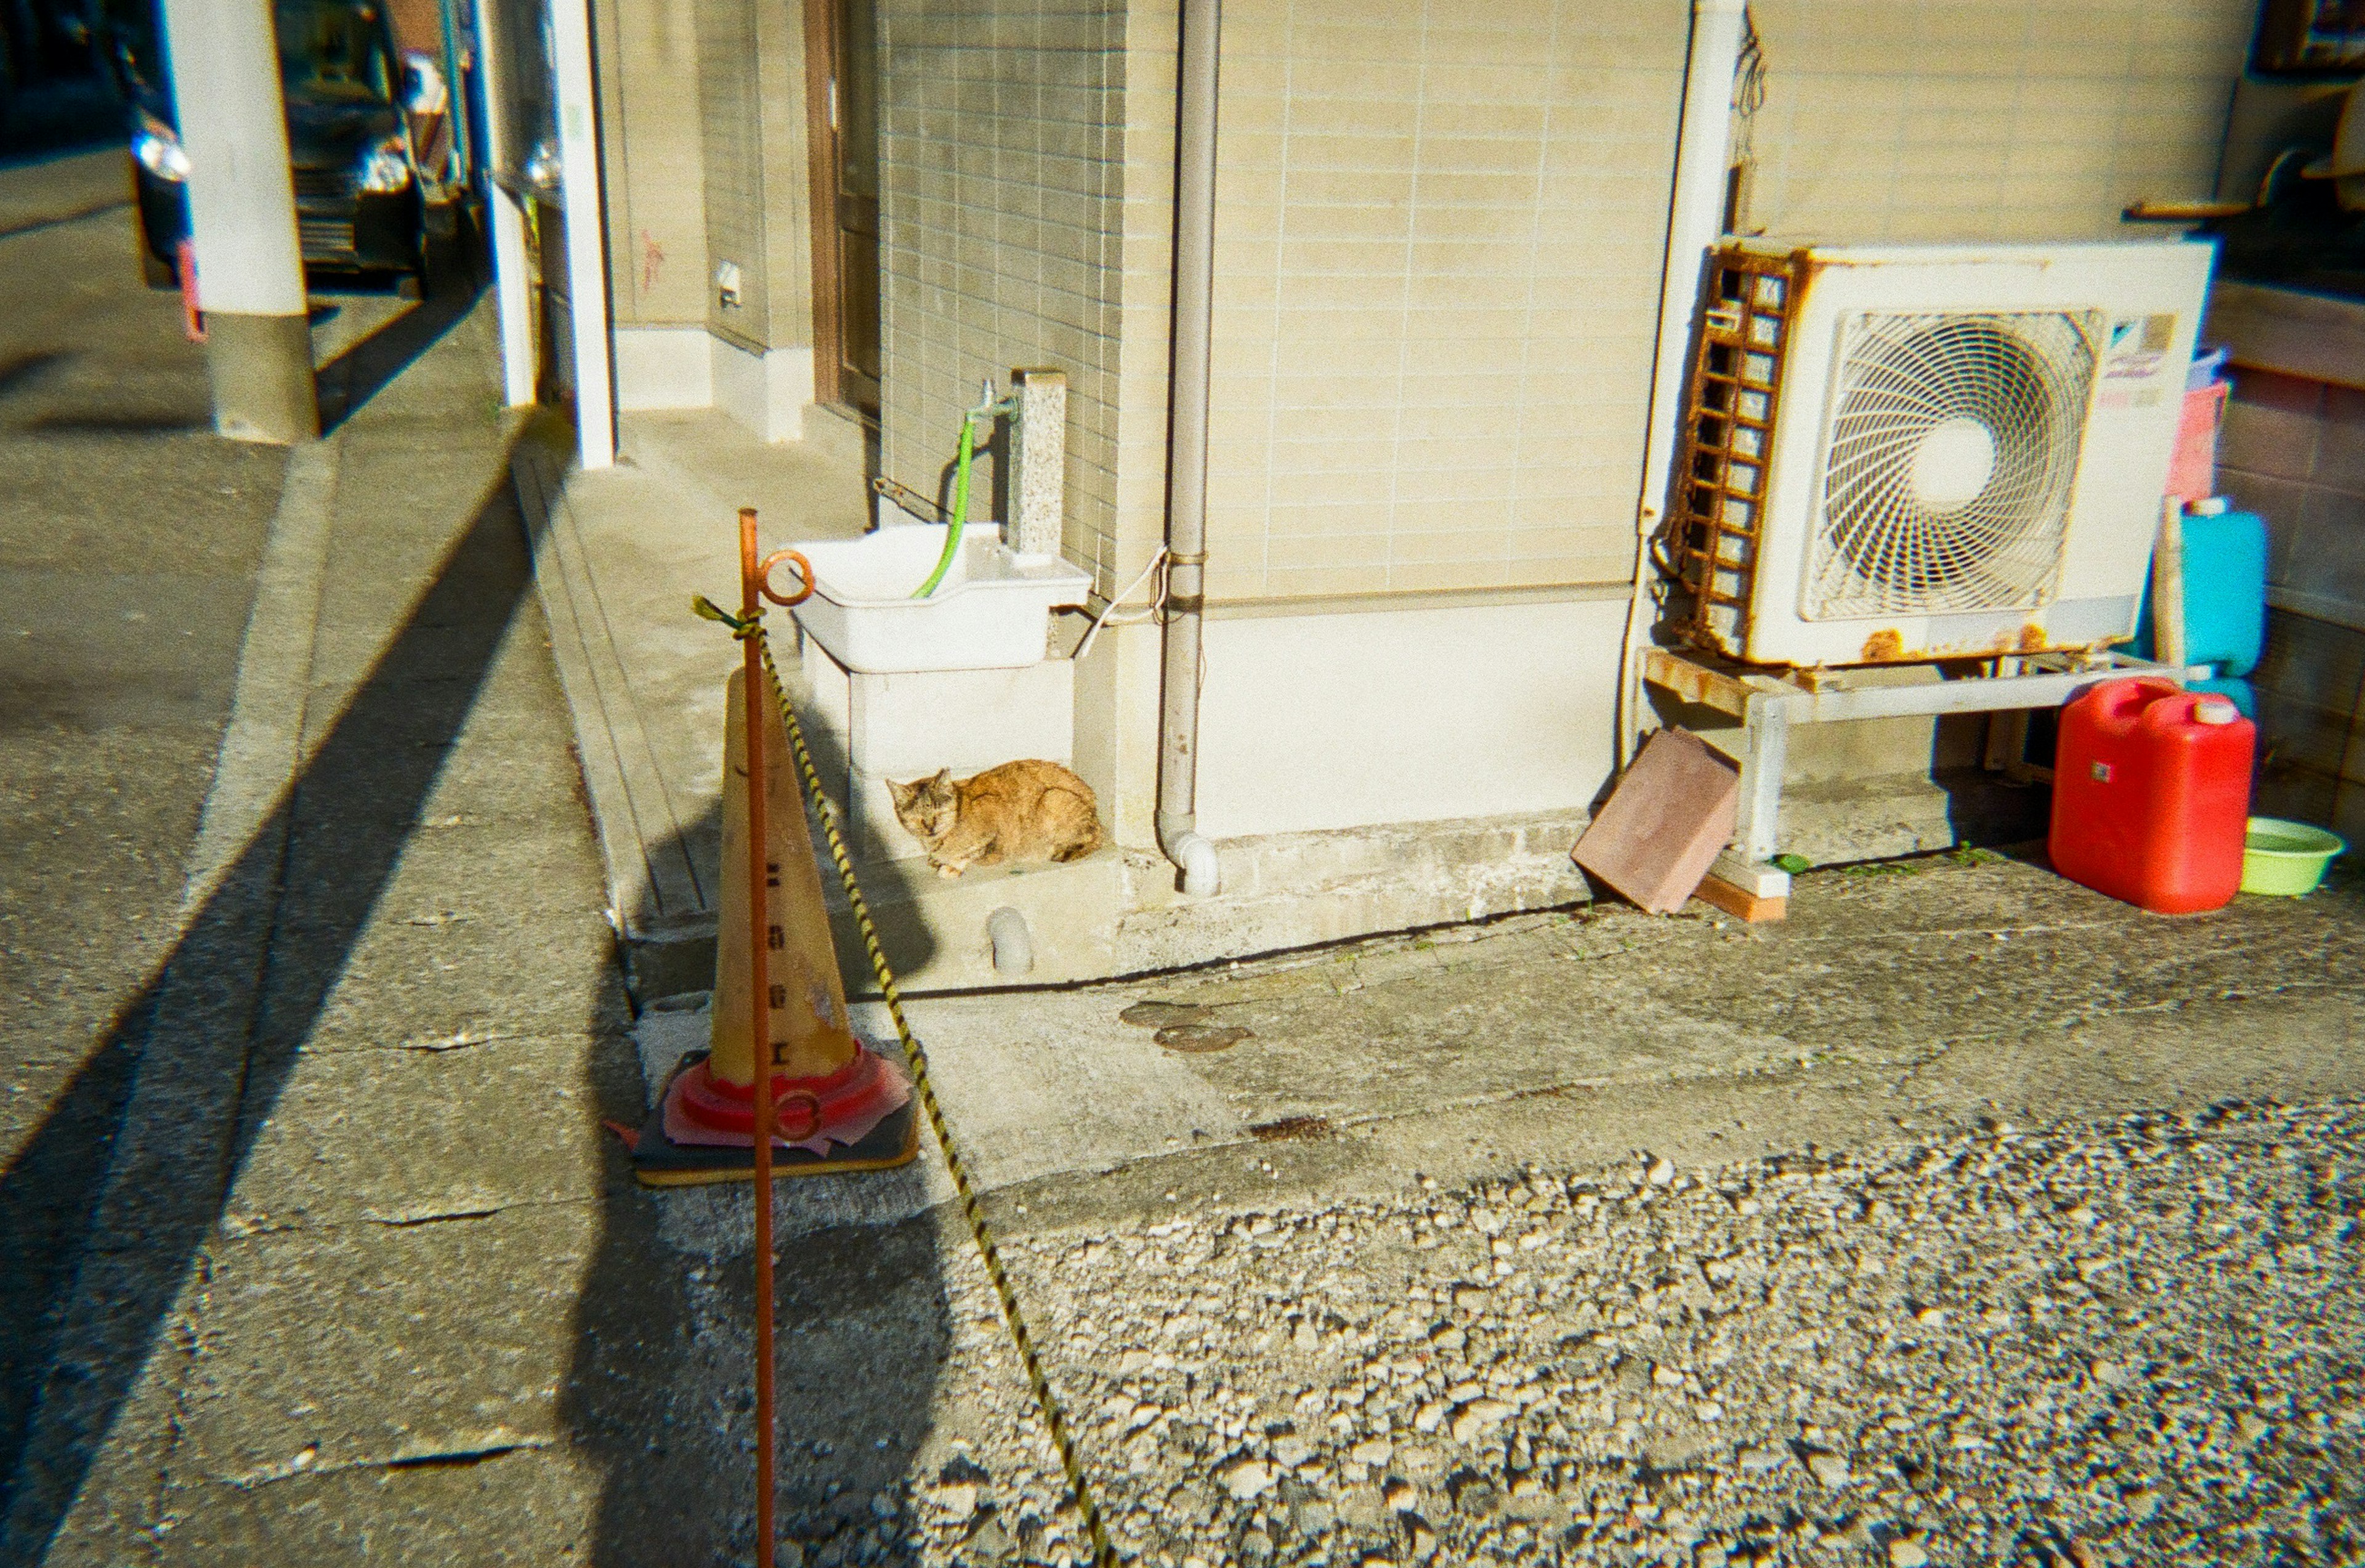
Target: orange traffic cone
{"type": "Point", "coordinates": [838, 1104]}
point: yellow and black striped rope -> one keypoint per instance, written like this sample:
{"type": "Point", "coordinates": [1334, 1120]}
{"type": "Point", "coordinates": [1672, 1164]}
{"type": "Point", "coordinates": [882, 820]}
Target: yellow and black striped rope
{"type": "Point", "coordinates": [1104, 1554]}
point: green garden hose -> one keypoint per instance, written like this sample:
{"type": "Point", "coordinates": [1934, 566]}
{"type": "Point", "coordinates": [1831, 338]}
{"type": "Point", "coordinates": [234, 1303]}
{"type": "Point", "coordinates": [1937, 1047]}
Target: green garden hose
{"type": "Point", "coordinates": [959, 519]}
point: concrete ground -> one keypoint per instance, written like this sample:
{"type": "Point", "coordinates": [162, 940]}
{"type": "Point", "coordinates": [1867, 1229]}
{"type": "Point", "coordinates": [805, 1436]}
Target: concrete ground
{"type": "Point", "coordinates": [127, 543]}
{"type": "Point", "coordinates": [621, 552]}
{"type": "Point", "coordinates": [1966, 1216]}
{"type": "Point", "coordinates": [1213, 1244]}
{"type": "Point", "coordinates": [300, 904]}
{"type": "Point", "coordinates": [129, 539]}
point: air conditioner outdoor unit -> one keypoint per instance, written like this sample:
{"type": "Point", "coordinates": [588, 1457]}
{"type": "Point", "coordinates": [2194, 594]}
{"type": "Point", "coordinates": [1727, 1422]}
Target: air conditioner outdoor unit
{"type": "Point", "coordinates": [1908, 454]}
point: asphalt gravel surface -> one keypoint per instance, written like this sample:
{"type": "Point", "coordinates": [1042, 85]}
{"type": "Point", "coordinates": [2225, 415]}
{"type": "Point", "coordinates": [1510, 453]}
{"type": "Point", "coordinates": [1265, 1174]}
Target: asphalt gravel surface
{"type": "Point", "coordinates": [2135, 1341]}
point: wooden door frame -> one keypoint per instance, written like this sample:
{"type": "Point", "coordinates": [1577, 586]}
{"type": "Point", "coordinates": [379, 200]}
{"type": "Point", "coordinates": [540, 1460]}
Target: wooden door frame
{"type": "Point", "coordinates": [822, 162]}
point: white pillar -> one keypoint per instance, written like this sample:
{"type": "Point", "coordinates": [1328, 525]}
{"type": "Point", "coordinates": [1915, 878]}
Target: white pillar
{"type": "Point", "coordinates": [233, 126]}
{"type": "Point", "coordinates": [587, 248]}
{"type": "Point", "coordinates": [513, 289]}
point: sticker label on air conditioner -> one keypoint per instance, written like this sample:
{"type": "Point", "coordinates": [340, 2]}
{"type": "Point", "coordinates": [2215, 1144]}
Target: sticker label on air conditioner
{"type": "Point", "coordinates": [2136, 354]}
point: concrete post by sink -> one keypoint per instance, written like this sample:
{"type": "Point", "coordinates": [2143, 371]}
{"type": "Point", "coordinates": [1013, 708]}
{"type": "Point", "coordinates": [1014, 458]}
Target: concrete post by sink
{"type": "Point", "coordinates": [1040, 462]}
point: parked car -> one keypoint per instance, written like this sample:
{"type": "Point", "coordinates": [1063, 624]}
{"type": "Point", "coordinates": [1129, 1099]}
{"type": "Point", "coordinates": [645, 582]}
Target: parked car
{"type": "Point", "coordinates": [358, 203]}
{"type": "Point", "coordinates": [42, 41]}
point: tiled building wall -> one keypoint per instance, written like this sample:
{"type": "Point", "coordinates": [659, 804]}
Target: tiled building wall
{"type": "Point", "coordinates": [1003, 145]}
{"type": "Point", "coordinates": [1440, 231]}
{"type": "Point", "coordinates": [2294, 450]}
{"type": "Point", "coordinates": [784, 145]}
{"type": "Point", "coordinates": [652, 143]}
{"type": "Point", "coordinates": [1930, 121]}
{"type": "Point", "coordinates": [730, 111]}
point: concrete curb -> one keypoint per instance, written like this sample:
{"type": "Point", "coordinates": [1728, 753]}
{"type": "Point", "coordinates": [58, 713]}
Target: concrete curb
{"type": "Point", "coordinates": [262, 745]}
{"type": "Point", "coordinates": [641, 828]}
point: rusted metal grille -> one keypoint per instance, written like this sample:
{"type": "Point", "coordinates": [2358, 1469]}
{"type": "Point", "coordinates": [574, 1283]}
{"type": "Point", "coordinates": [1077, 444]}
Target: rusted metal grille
{"type": "Point", "coordinates": [1724, 468]}
{"type": "Point", "coordinates": [325, 236]}
{"type": "Point", "coordinates": [324, 186]}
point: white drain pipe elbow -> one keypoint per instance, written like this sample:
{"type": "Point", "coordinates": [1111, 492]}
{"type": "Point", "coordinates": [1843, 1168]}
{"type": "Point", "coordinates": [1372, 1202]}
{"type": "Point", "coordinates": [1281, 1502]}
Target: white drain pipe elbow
{"type": "Point", "coordinates": [1195, 852]}
{"type": "Point", "coordinates": [1013, 946]}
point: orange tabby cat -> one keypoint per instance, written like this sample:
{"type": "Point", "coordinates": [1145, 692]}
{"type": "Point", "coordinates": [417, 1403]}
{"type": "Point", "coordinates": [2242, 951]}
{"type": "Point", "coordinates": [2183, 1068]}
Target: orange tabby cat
{"type": "Point", "coordinates": [1021, 810]}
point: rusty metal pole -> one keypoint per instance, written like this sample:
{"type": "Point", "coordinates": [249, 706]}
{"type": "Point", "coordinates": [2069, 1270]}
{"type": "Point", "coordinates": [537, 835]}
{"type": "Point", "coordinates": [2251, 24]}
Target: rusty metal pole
{"type": "Point", "coordinates": [761, 1021]}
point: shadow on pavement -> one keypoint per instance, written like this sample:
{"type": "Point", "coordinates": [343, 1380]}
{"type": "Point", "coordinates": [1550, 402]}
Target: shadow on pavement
{"type": "Point", "coordinates": [98, 1239]}
{"type": "Point", "coordinates": [662, 1390]}
{"type": "Point", "coordinates": [75, 114]}
{"type": "Point", "coordinates": [23, 370]}
{"type": "Point", "coordinates": [365, 369]}
{"type": "Point", "coordinates": [116, 424]}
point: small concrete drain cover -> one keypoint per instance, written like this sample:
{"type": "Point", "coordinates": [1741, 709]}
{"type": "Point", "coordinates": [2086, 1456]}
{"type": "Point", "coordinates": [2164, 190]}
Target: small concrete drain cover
{"type": "Point", "coordinates": [1201, 1036]}
{"type": "Point", "coordinates": [1159, 1014]}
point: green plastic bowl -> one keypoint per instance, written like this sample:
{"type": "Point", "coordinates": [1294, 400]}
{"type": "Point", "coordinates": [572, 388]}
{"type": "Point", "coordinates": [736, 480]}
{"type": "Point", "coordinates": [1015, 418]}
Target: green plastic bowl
{"type": "Point", "coordinates": [2285, 858]}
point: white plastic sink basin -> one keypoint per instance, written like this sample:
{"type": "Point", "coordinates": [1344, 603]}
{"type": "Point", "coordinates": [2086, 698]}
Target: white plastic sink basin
{"type": "Point", "coordinates": [987, 614]}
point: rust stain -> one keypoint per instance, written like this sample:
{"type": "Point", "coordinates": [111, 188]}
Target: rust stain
{"type": "Point", "coordinates": [1885, 646]}
{"type": "Point", "coordinates": [1290, 1128]}
{"type": "Point", "coordinates": [1694, 683]}
{"type": "Point", "coordinates": [1688, 682]}
{"type": "Point", "coordinates": [2032, 638]}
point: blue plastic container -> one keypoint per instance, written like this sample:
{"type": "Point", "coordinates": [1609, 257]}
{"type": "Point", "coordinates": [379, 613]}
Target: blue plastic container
{"type": "Point", "coordinates": [2224, 594]}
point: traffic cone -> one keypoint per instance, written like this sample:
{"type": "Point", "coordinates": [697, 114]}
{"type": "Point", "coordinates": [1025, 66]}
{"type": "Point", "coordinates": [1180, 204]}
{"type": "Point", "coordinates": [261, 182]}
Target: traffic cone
{"type": "Point", "coordinates": [839, 1105]}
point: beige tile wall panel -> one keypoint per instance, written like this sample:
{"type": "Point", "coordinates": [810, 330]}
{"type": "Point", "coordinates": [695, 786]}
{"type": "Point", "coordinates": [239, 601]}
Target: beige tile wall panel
{"type": "Point", "coordinates": [730, 110]}
{"type": "Point", "coordinates": [788, 256]}
{"type": "Point", "coordinates": [1440, 231]}
{"type": "Point", "coordinates": [1003, 211]}
{"type": "Point", "coordinates": [652, 144]}
{"type": "Point", "coordinates": [1898, 121]}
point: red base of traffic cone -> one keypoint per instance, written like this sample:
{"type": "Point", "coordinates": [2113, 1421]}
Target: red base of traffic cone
{"type": "Point", "coordinates": [702, 1130]}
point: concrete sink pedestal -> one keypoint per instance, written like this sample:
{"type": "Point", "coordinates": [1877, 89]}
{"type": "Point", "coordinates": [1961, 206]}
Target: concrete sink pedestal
{"type": "Point", "coordinates": [868, 727]}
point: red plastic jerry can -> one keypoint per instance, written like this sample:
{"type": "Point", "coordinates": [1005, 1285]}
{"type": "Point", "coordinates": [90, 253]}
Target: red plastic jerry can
{"type": "Point", "coordinates": [2151, 795]}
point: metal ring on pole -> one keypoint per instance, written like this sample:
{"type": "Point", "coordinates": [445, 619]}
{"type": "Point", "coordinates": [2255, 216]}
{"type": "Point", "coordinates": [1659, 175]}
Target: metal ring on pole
{"type": "Point", "coordinates": [804, 1100]}
{"type": "Point", "coordinates": [764, 577]}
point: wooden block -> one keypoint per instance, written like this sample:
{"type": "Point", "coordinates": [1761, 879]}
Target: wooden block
{"type": "Point", "coordinates": [1664, 824]}
{"type": "Point", "coordinates": [1740, 901]}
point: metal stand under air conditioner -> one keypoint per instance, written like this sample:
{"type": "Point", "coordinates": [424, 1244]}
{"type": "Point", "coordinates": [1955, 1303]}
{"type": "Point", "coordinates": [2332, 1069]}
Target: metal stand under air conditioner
{"type": "Point", "coordinates": [1767, 703]}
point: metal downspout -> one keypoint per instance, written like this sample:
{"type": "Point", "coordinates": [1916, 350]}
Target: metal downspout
{"type": "Point", "coordinates": [1695, 220]}
{"type": "Point", "coordinates": [1186, 450]}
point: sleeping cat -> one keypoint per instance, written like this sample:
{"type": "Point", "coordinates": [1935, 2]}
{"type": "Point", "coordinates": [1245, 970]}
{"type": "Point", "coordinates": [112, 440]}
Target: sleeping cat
{"type": "Point", "coordinates": [1020, 810]}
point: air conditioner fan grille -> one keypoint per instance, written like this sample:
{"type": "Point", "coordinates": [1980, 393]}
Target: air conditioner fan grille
{"type": "Point", "coordinates": [1952, 448]}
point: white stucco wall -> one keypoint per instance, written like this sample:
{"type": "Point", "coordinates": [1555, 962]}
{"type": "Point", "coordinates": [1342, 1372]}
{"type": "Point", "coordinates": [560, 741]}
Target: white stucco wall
{"type": "Point", "coordinates": [1319, 722]}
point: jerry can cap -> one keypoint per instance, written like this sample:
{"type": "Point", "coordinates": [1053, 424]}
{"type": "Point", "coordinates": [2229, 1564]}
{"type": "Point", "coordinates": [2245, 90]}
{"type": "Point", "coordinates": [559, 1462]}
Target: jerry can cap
{"type": "Point", "coordinates": [2214, 710]}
